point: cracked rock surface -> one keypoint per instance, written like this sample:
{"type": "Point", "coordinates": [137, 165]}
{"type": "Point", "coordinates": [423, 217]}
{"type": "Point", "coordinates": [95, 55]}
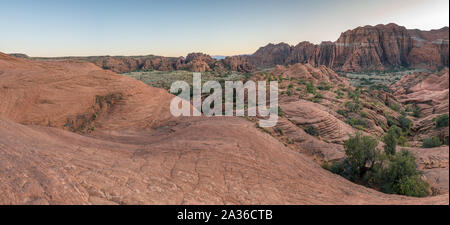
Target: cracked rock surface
{"type": "Point", "coordinates": [138, 153]}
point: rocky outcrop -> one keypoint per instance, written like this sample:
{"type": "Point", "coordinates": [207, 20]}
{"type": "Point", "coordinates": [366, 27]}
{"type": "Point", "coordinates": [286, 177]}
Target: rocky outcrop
{"type": "Point", "coordinates": [378, 47]}
{"type": "Point", "coordinates": [271, 55]}
{"type": "Point", "coordinates": [313, 147]}
{"type": "Point", "coordinates": [123, 64]}
{"type": "Point", "coordinates": [304, 52]}
{"type": "Point", "coordinates": [431, 48]}
{"type": "Point", "coordinates": [424, 89]}
{"type": "Point", "coordinates": [324, 52]}
{"type": "Point", "coordinates": [238, 63]}
{"type": "Point", "coordinates": [195, 161]}
{"type": "Point", "coordinates": [140, 154]}
{"type": "Point", "coordinates": [433, 162]}
{"type": "Point", "coordinates": [372, 48]}
{"type": "Point", "coordinates": [305, 113]}
{"type": "Point", "coordinates": [429, 93]}
{"type": "Point", "coordinates": [194, 62]}
{"type": "Point", "coordinates": [77, 96]}
{"type": "Point", "coordinates": [420, 36]}
{"type": "Point", "coordinates": [307, 72]}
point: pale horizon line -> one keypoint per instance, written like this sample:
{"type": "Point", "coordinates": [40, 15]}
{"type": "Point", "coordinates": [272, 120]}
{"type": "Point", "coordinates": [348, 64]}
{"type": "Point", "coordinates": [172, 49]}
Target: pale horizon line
{"type": "Point", "coordinates": [212, 55]}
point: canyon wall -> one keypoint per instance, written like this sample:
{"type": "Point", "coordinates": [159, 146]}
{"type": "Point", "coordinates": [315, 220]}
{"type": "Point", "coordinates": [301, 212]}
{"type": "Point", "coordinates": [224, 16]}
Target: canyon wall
{"type": "Point", "coordinates": [378, 47]}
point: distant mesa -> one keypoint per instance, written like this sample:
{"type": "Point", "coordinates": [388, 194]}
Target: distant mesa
{"type": "Point", "coordinates": [380, 47]}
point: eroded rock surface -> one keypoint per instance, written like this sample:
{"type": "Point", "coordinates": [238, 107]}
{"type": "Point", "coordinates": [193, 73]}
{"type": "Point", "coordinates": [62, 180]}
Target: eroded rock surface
{"type": "Point", "coordinates": [139, 154]}
{"type": "Point", "coordinates": [434, 164]}
{"type": "Point", "coordinates": [429, 93]}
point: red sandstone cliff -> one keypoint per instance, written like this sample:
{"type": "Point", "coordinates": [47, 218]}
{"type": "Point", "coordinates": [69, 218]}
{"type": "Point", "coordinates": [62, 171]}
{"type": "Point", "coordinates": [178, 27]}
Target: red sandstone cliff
{"type": "Point", "coordinates": [365, 48]}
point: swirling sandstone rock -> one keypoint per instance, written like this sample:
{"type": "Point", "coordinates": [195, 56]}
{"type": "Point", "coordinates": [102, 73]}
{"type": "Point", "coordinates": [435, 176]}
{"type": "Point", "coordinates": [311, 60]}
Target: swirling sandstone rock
{"type": "Point", "coordinates": [429, 93]}
{"type": "Point", "coordinates": [139, 154]}
{"type": "Point", "coordinates": [305, 113]}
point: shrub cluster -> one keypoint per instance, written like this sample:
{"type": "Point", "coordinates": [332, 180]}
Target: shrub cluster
{"type": "Point", "coordinates": [391, 172]}
{"type": "Point", "coordinates": [431, 142]}
{"type": "Point", "coordinates": [310, 88]}
{"type": "Point", "coordinates": [405, 123]}
{"type": "Point", "coordinates": [442, 121]}
{"type": "Point", "coordinates": [324, 86]}
{"type": "Point", "coordinates": [357, 123]}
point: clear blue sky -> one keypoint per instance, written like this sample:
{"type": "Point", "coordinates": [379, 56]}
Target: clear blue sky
{"type": "Point", "coordinates": [175, 28]}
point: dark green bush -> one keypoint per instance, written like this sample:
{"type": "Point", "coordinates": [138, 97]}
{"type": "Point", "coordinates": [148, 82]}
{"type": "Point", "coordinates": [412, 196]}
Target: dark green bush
{"type": "Point", "coordinates": [405, 123]}
{"type": "Point", "coordinates": [353, 106]}
{"type": "Point", "coordinates": [396, 130]}
{"type": "Point", "coordinates": [442, 121]}
{"type": "Point", "coordinates": [354, 95]}
{"type": "Point", "coordinates": [396, 174]}
{"type": "Point", "coordinates": [339, 94]}
{"type": "Point", "coordinates": [390, 141]}
{"type": "Point", "coordinates": [280, 111]}
{"type": "Point", "coordinates": [358, 122]}
{"type": "Point", "coordinates": [403, 113]}
{"type": "Point", "coordinates": [342, 112]}
{"type": "Point", "coordinates": [390, 121]}
{"type": "Point", "coordinates": [289, 92]}
{"type": "Point", "coordinates": [394, 106]}
{"type": "Point", "coordinates": [403, 164]}
{"type": "Point", "coordinates": [318, 95]}
{"type": "Point", "coordinates": [416, 113]}
{"type": "Point", "coordinates": [402, 176]}
{"type": "Point", "coordinates": [364, 114]}
{"type": "Point", "coordinates": [431, 142]}
{"type": "Point", "coordinates": [411, 186]}
{"type": "Point", "coordinates": [310, 88]}
{"type": "Point", "coordinates": [312, 130]}
{"type": "Point", "coordinates": [402, 141]}
{"type": "Point", "coordinates": [361, 153]}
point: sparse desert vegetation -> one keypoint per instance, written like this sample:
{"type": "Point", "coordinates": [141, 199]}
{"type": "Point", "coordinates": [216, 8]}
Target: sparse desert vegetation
{"type": "Point", "coordinates": [362, 119]}
{"type": "Point", "coordinates": [389, 171]}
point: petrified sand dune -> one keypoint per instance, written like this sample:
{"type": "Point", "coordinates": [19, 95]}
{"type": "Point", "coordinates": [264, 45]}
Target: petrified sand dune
{"type": "Point", "coordinates": [75, 94]}
{"type": "Point", "coordinates": [430, 93]}
{"type": "Point", "coordinates": [139, 154]}
{"type": "Point", "coordinates": [305, 113]}
{"type": "Point", "coordinates": [311, 73]}
{"type": "Point", "coordinates": [194, 164]}
{"type": "Point", "coordinates": [319, 150]}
